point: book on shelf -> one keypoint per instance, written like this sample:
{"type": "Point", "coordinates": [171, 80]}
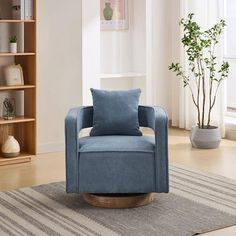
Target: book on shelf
{"type": "Point", "coordinates": [22, 9]}
{"type": "Point", "coordinates": [18, 7]}
{"type": "Point", "coordinates": [28, 9]}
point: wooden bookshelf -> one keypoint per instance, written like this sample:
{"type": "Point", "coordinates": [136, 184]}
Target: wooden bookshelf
{"type": "Point", "coordinates": [23, 128]}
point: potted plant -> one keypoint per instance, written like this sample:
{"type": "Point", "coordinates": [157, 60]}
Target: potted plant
{"type": "Point", "coordinates": [13, 44]}
{"type": "Point", "coordinates": [204, 77]}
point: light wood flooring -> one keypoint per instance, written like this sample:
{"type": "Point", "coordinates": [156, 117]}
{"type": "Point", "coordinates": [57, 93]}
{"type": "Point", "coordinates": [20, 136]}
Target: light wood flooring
{"type": "Point", "coordinates": [49, 168]}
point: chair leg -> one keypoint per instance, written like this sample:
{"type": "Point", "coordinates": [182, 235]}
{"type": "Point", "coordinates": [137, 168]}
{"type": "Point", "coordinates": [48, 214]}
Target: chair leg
{"type": "Point", "coordinates": [119, 200]}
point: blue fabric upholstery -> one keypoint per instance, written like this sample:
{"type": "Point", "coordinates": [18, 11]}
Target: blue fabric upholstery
{"type": "Point", "coordinates": [105, 158]}
{"type": "Point", "coordinates": [117, 143]}
{"type": "Point", "coordinates": [115, 112]}
{"type": "Point", "coordinates": [116, 172]}
{"type": "Point", "coordinates": [143, 168]}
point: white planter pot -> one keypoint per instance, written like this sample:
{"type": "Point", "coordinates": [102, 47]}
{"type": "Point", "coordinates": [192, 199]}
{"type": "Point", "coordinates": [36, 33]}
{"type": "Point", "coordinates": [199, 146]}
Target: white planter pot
{"type": "Point", "coordinates": [13, 47]}
{"type": "Point", "coordinates": [205, 138]}
{"type": "Point", "coordinates": [11, 147]}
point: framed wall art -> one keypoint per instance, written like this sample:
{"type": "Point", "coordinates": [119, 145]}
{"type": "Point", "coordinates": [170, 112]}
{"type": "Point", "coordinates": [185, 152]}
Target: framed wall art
{"type": "Point", "coordinates": [114, 14]}
{"type": "Point", "coordinates": [14, 75]}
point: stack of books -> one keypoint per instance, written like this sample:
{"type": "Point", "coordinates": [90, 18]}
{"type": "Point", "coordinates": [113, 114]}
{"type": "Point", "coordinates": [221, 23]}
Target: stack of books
{"type": "Point", "coordinates": [22, 9]}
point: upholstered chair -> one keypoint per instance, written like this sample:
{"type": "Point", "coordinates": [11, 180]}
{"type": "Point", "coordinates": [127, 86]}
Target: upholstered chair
{"type": "Point", "coordinates": [117, 163]}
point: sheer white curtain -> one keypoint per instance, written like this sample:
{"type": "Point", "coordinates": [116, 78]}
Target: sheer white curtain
{"type": "Point", "coordinates": [207, 13]}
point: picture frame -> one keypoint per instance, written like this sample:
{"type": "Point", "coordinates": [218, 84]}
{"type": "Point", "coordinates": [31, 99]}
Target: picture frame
{"type": "Point", "coordinates": [14, 75]}
{"type": "Point", "coordinates": [114, 14]}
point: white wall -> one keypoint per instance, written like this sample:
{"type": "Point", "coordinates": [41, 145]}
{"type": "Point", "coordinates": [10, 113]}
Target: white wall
{"type": "Point", "coordinates": [116, 49]}
{"type": "Point", "coordinates": [161, 54]}
{"type": "Point", "coordinates": [90, 48]}
{"type": "Point", "coordinates": [59, 69]}
{"type": "Point", "coordinates": [124, 51]}
{"type": "Point", "coordinates": [60, 62]}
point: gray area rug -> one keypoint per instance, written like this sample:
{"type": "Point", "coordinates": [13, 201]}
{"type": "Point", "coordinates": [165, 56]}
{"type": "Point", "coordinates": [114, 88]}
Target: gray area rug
{"type": "Point", "coordinates": [198, 202]}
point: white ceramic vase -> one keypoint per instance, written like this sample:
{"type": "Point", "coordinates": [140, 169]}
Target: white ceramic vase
{"type": "Point", "coordinates": [13, 47]}
{"type": "Point", "coordinates": [11, 147]}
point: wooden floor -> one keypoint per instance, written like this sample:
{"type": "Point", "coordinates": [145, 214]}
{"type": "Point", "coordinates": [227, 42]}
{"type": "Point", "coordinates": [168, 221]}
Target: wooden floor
{"type": "Point", "coordinates": [49, 168]}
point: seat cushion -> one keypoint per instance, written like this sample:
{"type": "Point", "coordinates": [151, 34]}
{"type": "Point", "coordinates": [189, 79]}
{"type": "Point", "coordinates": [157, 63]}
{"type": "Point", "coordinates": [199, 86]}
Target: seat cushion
{"type": "Point", "coordinates": [115, 112]}
{"type": "Point", "coordinates": [116, 164]}
{"type": "Point", "coordinates": [117, 143]}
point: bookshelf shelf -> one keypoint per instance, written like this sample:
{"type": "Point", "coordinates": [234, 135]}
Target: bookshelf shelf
{"type": "Point", "coordinates": [23, 128]}
{"type": "Point", "coordinates": [20, 119]}
{"type": "Point", "coordinates": [8, 54]}
{"type": "Point", "coordinates": [23, 157]}
{"type": "Point", "coordinates": [20, 87]}
{"type": "Point", "coordinates": [17, 21]}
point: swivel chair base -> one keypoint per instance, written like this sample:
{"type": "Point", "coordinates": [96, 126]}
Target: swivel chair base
{"type": "Point", "coordinates": [119, 200]}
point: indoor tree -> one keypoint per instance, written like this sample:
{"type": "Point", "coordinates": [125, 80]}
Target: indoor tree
{"type": "Point", "coordinates": [203, 69]}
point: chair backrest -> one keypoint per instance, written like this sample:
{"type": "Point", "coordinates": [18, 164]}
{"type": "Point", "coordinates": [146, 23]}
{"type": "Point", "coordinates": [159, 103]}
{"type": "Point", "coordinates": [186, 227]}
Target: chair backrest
{"type": "Point", "coordinates": [142, 115]}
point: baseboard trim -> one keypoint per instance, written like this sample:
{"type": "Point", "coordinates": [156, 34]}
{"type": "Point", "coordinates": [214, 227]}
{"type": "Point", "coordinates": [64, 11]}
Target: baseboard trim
{"type": "Point", "coordinates": [230, 134]}
{"type": "Point", "coordinates": [51, 147]}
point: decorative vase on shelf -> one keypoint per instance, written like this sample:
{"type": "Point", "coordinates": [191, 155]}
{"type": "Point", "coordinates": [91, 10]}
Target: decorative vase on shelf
{"type": "Point", "coordinates": [9, 109]}
{"type": "Point", "coordinates": [108, 11]}
{"type": "Point", "coordinates": [10, 147]}
{"type": "Point", "coordinates": [13, 47]}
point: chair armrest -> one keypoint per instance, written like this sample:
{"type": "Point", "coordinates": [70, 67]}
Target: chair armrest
{"type": "Point", "coordinates": [157, 119]}
{"type": "Point", "coordinates": [76, 119]}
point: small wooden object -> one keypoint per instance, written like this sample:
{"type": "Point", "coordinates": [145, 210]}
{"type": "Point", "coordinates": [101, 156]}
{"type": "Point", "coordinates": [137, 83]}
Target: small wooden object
{"type": "Point", "coordinates": [118, 200]}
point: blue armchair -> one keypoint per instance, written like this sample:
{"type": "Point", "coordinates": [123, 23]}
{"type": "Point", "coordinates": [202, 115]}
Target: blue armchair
{"type": "Point", "coordinates": [117, 164]}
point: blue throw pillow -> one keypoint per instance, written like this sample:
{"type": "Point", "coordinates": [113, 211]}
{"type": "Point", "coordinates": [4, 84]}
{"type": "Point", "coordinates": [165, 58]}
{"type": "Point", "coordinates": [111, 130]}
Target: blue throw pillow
{"type": "Point", "coordinates": [115, 112]}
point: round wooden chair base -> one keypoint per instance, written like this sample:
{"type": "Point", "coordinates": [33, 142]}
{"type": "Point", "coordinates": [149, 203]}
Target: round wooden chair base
{"type": "Point", "coordinates": [118, 200]}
